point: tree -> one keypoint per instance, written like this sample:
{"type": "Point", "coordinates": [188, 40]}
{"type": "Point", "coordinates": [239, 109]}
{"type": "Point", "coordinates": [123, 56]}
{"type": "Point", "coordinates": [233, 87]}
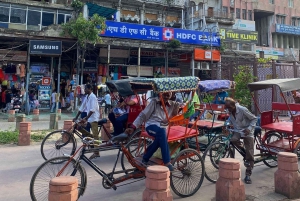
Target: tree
{"type": "Point", "coordinates": [242, 78]}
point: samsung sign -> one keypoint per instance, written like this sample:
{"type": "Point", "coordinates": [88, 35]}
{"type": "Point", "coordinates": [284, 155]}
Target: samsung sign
{"type": "Point", "coordinates": [45, 47]}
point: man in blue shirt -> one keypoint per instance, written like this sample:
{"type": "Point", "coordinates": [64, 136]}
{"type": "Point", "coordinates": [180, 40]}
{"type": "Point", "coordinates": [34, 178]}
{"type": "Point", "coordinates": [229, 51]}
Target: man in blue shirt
{"type": "Point", "coordinates": [107, 100]}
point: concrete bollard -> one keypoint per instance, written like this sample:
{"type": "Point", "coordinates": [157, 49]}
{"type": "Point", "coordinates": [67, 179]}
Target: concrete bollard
{"type": "Point", "coordinates": [157, 184]}
{"type": "Point", "coordinates": [24, 134]}
{"type": "Point", "coordinates": [64, 188]}
{"type": "Point", "coordinates": [229, 186]}
{"type": "Point", "coordinates": [20, 118]}
{"type": "Point", "coordinates": [36, 114]}
{"type": "Point", "coordinates": [11, 116]}
{"type": "Point", "coordinates": [67, 124]}
{"type": "Point", "coordinates": [109, 128]}
{"type": "Point", "coordinates": [286, 178]}
{"type": "Point", "coordinates": [53, 123]}
{"type": "Point", "coordinates": [59, 114]}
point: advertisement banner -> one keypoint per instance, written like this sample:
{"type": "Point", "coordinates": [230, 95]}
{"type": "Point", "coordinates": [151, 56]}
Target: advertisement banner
{"type": "Point", "coordinates": [246, 25]}
{"type": "Point", "coordinates": [159, 34]}
{"type": "Point", "coordinates": [45, 47]}
{"type": "Point", "coordinates": [270, 51]}
{"type": "Point", "coordinates": [234, 35]}
{"type": "Point", "coordinates": [288, 29]}
{"type": "Point", "coordinates": [145, 70]}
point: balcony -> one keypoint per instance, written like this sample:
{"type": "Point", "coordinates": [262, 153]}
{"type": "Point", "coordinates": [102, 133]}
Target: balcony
{"type": "Point", "coordinates": [172, 3]}
{"type": "Point", "coordinates": [214, 16]}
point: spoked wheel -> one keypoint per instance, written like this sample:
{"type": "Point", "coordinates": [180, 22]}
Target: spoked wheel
{"type": "Point", "coordinates": [39, 184]}
{"type": "Point", "coordinates": [212, 156]}
{"type": "Point", "coordinates": [272, 137]}
{"type": "Point", "coordinates": [188, 175]}
{"type": "Point", "coordinates": [297, 152]}
{"type": "Point", "coordinates": [57, 144]}
{"type": "Point", "coordinates": [136, 147]}
{"type": "Point", "coordinates": [136, 134]}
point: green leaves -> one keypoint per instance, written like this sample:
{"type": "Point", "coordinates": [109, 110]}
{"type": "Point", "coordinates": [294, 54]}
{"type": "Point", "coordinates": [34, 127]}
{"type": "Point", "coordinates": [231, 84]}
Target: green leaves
{"type": "Point", "coordinates": [85, 31]}
{"type": "Point", "coordinates": [173, 44]}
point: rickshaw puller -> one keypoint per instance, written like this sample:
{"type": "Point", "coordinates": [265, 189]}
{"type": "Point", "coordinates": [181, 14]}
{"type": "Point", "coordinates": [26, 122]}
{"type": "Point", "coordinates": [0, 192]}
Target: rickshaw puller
{"type": "Point", "coordinates": [242, 119]}
{"type": "Point", "coordinates": [155, 119]}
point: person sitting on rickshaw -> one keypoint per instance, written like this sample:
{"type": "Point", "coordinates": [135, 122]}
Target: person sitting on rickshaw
{"type": "Point", "coordinates": [155, 118]}
{"type": "Point", "coordinates": [242, 119]}
{"type": "Point", "coordinates": [220, 97]}
{"type": "Point", "coordinates": [119, 115]}
{"type": "Point", "coordinates": [296, 96]}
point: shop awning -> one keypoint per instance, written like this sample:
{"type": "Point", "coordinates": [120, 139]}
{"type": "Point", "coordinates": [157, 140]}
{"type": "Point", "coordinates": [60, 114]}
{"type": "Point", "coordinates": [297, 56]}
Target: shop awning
{"type": "Point", "coordinates": [100, 10]}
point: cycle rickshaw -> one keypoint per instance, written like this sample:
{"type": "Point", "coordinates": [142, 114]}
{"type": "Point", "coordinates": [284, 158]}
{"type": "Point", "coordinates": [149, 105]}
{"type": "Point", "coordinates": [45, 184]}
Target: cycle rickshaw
{"type": "Point", "coordinates": [187, 177]}
{"type": "Point", "coordinates": [279, 136]}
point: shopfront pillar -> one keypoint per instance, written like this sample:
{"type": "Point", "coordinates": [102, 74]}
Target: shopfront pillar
{"type": "Point", "coordinates": [27, 108]}
{"type": "Point", "coordinates": [108, 60]}
{"type": "Point", "coordinates": [58, 83]}
{"type": "Point", "coordinates": [281, 41]}
{"type": "Point", "coordinates": [139, 62]}
{"type": "Point", "coordinates": [118, 14]}
{"type": "Point", "coordinates": [142, 14]}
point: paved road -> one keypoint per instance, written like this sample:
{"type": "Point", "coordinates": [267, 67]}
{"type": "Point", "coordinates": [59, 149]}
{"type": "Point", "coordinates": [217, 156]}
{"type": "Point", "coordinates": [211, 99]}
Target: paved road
{"type": "Point", "coordinates": [19, 163]}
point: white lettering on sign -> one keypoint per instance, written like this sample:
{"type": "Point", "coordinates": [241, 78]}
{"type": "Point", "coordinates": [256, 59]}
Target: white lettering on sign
{"type": "Point", "coordinates": [123, 29]}
{"type": "Point", "coordinates": [207, 55]}
{"type": "Point", "coordinates": [143, 31]}
{"type": "Point", "coordinates": [112, 29]}
{"type": "Point", "coordinates": [186, 36]}
{"type": "Point", "coordinates": [214, 38]}
{"type": "Point", "coordinates": [45, 47]}
{"type": "Point", "coordinates": [154, 33]}
{"type": "Point", "coordinates": [133, 31]}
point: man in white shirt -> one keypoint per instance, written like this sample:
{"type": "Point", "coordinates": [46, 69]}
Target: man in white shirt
{"type": "Point", "coordinates": [53, 100]}
{"type": "Point", "coordinates": [107, 100]}
{"type": "Point", "coordinates": [90, 104]}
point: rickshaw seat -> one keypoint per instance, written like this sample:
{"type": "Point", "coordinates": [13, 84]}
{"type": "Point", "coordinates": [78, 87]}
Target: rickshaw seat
{"type": "Point", "coordinates": [176, 133]}
{"type": "Point", "coordinates": [102, 121]}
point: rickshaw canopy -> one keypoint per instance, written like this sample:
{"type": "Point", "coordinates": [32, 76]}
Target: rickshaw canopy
{"type": "Point", "coordinates": [166, 84]}
{"type": "Point", "coordinates": [215, 85]}
{"type": "Point", "coordinates": [285, 85]}
{"type": "Point", "coordinates": [122, 86]}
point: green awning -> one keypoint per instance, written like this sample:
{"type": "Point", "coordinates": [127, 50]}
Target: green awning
{"type": "Point", "coordinates": [100, 10]}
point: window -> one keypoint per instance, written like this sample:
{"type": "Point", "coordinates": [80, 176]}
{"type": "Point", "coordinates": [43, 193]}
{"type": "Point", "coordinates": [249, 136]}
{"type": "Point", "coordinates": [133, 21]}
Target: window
{"type": "Point", "coordinates": [293, 23]}
{"type": "Point", "coordinates": [245, 47]}
{"type": "Point", "coordinates": [291, 3]}
{"type": "Point", "coordinates": [47, 19]}
{"type": "Point", "coordinates": [244, 14]}
{"type": "Point", "coordinates": [249, 14]}
{"type": "Point", "coordinates": [4, 14]}
{"type": "Point", "coordinates": [271, 1]}
{"type": "Point", "coordinates": [18, 15]}
{"type": "Point", "coordinates": [34, 18]}
{"type": "Point", "coordinates": [68, 17]}
{"type": "Point", "coordinates": [282, 19]}
{"type": "Point", "coordinates": [60, 19]}
{"type": "Point", "coordinates": [225, 9]}
{"type": "Point", "coordinates": [238, 13]}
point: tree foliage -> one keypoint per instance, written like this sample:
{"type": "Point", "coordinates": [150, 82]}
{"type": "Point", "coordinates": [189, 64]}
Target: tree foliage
{"type": "Point", "coordinates": [85, 31]}
{"type": "Point", "coordinates": [242, 78]}
{"type": "Point", "coordinates": [173, 44]}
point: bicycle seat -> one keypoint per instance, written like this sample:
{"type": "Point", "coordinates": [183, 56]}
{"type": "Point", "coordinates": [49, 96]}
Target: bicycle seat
{"type": "Point", "coordinates": [102, 121]}
{"type": "Point", "coordinates": [119, 138]}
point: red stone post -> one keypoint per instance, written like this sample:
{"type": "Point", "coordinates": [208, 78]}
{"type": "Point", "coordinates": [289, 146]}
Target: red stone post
{"type": "Point", "coordinates": [286, 178]}
{"type": "Point", "coordinates": [24, 134]}
{"type": "Point", "coordinates": [36, 114]}
{"type": "Point", "coordinates": [67, 124]}
{"type": "Point", "coordinates": [229, 186]}
{"type": "Point", "coordinates": [157, 184]}
{"type": "Point", "coordinates": [11, 116]}
{"type": "Point", "coordinates": [64, 188]}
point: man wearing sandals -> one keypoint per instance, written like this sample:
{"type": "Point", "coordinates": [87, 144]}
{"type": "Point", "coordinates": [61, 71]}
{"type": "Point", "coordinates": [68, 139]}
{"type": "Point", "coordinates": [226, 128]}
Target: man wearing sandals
{"type": "Point", "coordinates": [242, 119]}
{"type": "Point", "coordinates": [155, 119]}
{"type": "Point", "coordinates": [90, 104]}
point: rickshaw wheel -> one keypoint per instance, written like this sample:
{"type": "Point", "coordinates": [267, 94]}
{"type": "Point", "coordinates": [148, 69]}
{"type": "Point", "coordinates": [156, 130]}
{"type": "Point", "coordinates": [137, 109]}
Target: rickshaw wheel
{"type": "Point", "coordinates": [212, 156]}
{"type": "Point", "coordinates": [135, 134]}
{"type": "Point", "coordinates": [297, 152]}
{"type": "Point", "coordinates": [272, 137]}
{"type": "Point", "coordinates": [188, 175]}
{"type": "Point", "coordinates": [136, 147]}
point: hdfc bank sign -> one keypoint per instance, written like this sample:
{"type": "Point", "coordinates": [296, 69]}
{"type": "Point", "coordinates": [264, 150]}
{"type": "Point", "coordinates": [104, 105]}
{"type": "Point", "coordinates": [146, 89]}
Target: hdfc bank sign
{"type": "Point", "coordinates": [44, 47]}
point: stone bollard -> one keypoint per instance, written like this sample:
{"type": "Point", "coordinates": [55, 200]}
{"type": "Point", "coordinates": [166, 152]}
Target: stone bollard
{"type": "Point", "coordinates": [59, 114]}
{"type": "Point", "coordinates": [36, 114]}
{"type": "Point", "coordinates": [53, 123]}
{"type": "Point", "coordinates": [229, 186]}
{"type": "Point", "coordinates": [11, 116]}
{"type": "Point", "coordinates": [109, 128]}
{"type": "Point", "coordinates": [157, 184]}
{"type": "Point", "coordinates": [20, 118]}
{"type": "Point", "coordinates": [67, 124]}
{"type": "Point", "coordinates": [63, 188]}
{"type": "Point", "coordinates": [24, 134]}
{"type": "Point", "coordinates": [287, 180]}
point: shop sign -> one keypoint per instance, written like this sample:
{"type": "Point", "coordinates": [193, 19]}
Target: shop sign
{"type": "Point", "coordinates": [157, 54]}
{"type": "Point", "coordinates": [207, 54]}
{"type": "Point", "coordinates": [270, 51]}
{"type": "Point", "coordinates": [145, 70]}
{"type": "Point", "coordinates": [159, 34]}
{"type": "Point", "coordinates": [45, 47]}
{"type": "Point", "coordinates": [288, 29]}
{"type": "Point", "coordinates": [90, 64]}
{"type": "Point", "coordinates": [46, 81]}
{"type": "Point", "coordinates": [235, 35]}
{"type": "Point", "coordinates": [202, 55]}
{"type": "Point", "coordinates": [246, 25]}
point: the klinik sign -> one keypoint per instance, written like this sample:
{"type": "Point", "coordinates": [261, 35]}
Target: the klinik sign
{"type": "Point", "coordinates": [45, 47]}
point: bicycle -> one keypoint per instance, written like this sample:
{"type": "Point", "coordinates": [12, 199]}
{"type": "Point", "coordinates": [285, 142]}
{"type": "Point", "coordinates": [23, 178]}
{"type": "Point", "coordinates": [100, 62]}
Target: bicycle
{"type": "Point", "coordinates": [188, 165]}
{"type": "Point", "coordinates": [224, 148]}
{"type": "Point", "coordinates": [61, 142]}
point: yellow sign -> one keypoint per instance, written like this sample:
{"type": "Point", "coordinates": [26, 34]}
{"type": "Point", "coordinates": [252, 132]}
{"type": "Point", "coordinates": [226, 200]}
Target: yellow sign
{"type": "Point", "coordinates": [238, 35]}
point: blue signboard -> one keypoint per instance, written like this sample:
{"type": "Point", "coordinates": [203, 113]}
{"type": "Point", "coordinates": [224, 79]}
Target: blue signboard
{"type": "Point", "coordinates": [159, 34]}
{"type": "Point", "coordinates": [282, 28]}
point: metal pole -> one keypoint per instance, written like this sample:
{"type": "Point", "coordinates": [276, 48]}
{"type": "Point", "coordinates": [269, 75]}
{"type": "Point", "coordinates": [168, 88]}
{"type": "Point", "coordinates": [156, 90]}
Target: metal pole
{"type": "Point", "coordinates": [77, 73]}
{"type": "Point", "coordinates": [167, 63]}
{"type": "Point", "coordinates": [182, 20]}
{"type": "Point", "coordinates": [58, 83]}
{"type": "Point", "coordinates": [108, 61]}
{"type": "Point", "coordinates": [27, 106]}
{"type": "Point", "coordinates": [82, 65]}
{"type": "Point", "coordinates": [193, 65]}
{"type": "Point", "coordinates": [192, 18]}
{"type": "Point", "coordinates": [139, 62]}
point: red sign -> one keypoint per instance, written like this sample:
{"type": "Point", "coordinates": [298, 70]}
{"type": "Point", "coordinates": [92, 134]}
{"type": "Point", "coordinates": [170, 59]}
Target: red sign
{"type": "Point", "coordinates": [46, 81]}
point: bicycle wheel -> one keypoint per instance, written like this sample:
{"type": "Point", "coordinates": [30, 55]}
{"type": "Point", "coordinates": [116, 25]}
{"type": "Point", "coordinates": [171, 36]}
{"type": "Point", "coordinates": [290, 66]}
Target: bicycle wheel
{"type": "Point", "coordinates": [39, 184]}
{"type": "Point", "coordinates": [212, 156]}
{"type": "Point", "coordinates": [188, 175]}
{"type": "Point", "coordinates": [135, 134]}
{"type": "Point", "coordinates": [57, 144]}
{"type": "Point", "coordinates": [272, 137]}
{"type": "Point", "coordinates": [136, 147]}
